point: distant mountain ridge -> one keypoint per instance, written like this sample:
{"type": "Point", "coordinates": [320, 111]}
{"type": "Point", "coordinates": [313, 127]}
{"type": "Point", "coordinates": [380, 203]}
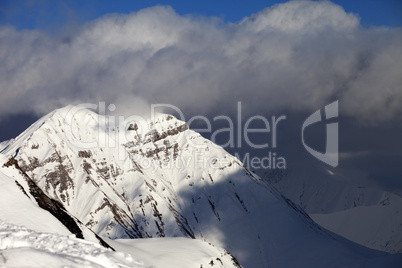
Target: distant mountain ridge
{"type": "Point", "coordinates": [368, 216]}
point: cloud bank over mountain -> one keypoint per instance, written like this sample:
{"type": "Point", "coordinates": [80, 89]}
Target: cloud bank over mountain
{"type": "Point", "coordinates": [294, 56]}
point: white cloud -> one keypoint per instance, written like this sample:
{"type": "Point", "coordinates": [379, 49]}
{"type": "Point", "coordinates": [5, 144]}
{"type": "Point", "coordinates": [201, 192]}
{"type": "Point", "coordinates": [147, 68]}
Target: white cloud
{"type": "Point", "coordinates": [303, 16]}
{"type": "Point", "coordinates": [298, 55]}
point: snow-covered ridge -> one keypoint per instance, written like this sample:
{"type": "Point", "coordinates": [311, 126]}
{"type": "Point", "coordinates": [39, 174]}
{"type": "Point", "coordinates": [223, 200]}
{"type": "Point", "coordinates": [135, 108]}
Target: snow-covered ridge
{"type": "Point", "coordinates": [22, 247]}
{"type": "Point", "coordinates": [167, 181]}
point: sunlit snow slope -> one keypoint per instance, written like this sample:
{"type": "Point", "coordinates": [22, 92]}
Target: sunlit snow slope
{"type": "Point", "coordinates": [22, 247]}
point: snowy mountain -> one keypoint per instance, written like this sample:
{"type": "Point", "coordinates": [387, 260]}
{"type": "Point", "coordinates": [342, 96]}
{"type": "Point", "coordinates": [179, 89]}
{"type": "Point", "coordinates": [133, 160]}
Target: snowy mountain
{"type": "Point", "coordinates": [155, 178]}
{"type": "Point", "coordinates": [368, 216]}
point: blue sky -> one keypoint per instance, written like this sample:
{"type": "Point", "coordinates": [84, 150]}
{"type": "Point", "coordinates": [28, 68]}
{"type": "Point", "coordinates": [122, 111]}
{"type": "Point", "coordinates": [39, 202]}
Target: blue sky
{"type": "Point", "coordinates": [52, 15]}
